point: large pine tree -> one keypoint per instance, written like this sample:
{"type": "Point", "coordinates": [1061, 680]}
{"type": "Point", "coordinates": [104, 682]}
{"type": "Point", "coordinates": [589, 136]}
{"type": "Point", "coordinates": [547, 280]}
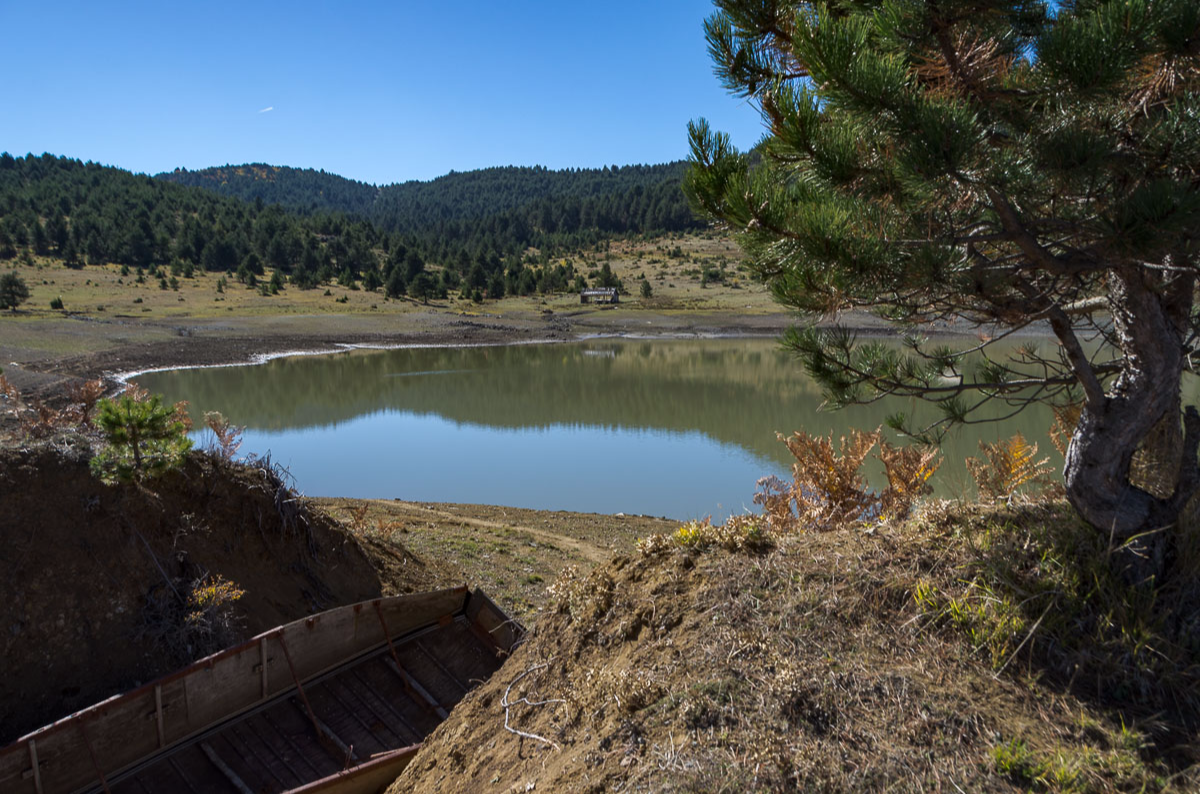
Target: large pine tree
{"type": "Point", "coordinates": [1018, 163]}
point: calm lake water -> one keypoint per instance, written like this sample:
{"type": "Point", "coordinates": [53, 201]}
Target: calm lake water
{"type": "Point", "coordinates": [678, 428]}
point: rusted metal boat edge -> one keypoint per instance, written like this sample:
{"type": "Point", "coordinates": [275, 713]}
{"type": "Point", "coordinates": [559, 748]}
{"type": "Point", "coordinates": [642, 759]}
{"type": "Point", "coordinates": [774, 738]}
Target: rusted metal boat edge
{"type": "Point", "coordinates": [189, 702]}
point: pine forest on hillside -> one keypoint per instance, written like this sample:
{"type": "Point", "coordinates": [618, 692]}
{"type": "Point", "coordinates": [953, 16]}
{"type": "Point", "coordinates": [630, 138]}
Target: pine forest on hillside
{"type": "Point", "coordinates": [491, 232]}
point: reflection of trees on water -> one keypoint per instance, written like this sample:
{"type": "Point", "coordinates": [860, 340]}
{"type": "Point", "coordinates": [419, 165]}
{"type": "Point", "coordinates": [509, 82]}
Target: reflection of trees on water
{"type": "Point", "coordinates": [735, 391]}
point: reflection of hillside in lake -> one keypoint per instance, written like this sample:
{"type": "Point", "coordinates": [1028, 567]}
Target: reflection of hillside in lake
{"type": "Point", "coordinates": [660, 427]}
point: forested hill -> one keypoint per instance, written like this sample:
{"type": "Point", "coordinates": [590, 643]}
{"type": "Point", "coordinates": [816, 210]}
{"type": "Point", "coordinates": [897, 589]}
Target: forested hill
{"type": "Point", "coordinates": [85, 213]}
{"type": "Point", "coordinates": [500, 209]}
{"type": "Point", "coordinates": [302, 190]}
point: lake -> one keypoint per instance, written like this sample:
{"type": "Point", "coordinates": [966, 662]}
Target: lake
{"type": "Point", "coordinates": [676, 428]}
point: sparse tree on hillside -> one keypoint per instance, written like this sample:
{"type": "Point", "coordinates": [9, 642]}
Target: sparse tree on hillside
{"type": "Point", "coordinates": [41, 241]}
{"type": "Point", "coordinates": [496, 286]}
{"type": "Point", "coordinates": [372, 281]}
{"type": "Point", "coordinates": [13, 291]}
{"type": "Point", "coordinates": [1012, 163]}
{"type": "Point", "coordinates": [397, 285]}
{"type": "Point", "coordinates": [607, 277]}
{"type": "Point", "coordinates": [422, 287]}
{"type": "Point", "coordinates": [413, 264]}
{"type": "Point", "coordinates": [476, 277]}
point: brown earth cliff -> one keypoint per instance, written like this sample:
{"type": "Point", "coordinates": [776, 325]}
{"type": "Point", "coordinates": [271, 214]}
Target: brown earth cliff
{"type": "Point", "coordinates": [95, 579]}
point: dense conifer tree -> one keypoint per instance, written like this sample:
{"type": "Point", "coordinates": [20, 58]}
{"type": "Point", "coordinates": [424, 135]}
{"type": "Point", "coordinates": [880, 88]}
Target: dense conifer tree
{"type": "Point", "coordinates": [1016, 163]}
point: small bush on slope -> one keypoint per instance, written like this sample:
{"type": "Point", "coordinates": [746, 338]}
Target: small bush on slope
{"type": "Point", "coordinates": [145, 438]}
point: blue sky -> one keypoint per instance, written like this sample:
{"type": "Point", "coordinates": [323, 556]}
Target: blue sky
{"type": "Point", "coordinates": [376, 91]}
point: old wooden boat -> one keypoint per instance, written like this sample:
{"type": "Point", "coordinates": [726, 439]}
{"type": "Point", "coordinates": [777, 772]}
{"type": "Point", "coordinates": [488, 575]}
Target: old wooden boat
{"type": "Point", "coordinates": [336, 702]}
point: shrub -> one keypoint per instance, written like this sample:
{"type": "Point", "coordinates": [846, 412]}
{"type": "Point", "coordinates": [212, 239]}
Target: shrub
{"type": "Point", "coordinates": [145, 438]}
{"type": "Point", "coordinates": [56, 303]}
{"type": "Point", "coordinates": [829, 491]}
{"type": "Point", "coordinates": [193, 619]}
{"type": "Point", "coordinates": [739, 533]}
{"type": "Point", "coordinates": [1007, 466]}
{"type": "Point", "coordinates": [227, 437]}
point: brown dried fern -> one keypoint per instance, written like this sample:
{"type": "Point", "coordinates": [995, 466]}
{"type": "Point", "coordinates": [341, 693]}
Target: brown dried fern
{"type": "Point", "coordinates": [358, 518]}
{"type": "Point", "coordinates": [37, 420]}
{"type": "Point", "coordinates": [180, 414]}
{"type": "Point", "coordinates": [829, 491]}
{"type": "Point", "coordinates": [1007, 466]}
{"type": "Point", "coordinates": [12, 397]}
{"type": "Point", "coordinates": [827, 487]}
{"type": "Point", "coordinates": [83, 397]}
{"type": "Point", "coordinates": [909, 470]}
{"type": "Point", "coordinates": [227, 437]}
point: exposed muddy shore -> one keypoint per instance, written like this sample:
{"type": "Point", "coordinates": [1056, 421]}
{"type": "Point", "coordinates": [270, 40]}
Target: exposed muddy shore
{"type": "Point", "coordinates": [42, 357]}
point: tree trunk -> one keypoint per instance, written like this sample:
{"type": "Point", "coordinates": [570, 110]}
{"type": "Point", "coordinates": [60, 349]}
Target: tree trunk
{"type": "Point", "coordinates": [1149, 324]}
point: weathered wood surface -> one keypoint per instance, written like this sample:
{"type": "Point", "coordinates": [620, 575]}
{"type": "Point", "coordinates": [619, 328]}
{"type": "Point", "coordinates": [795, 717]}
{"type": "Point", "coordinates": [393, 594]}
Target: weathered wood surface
{"type": "Point", "coordinates": [307, 702]}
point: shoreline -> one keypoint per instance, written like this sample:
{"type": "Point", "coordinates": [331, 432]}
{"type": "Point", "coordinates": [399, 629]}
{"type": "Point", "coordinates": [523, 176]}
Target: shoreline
{"type": "Point", "coordinates": [338, 347]}
{"type": "Point", "coordinates": [56, 353]}
{"type": "Point", "coordinates": [42, 369]}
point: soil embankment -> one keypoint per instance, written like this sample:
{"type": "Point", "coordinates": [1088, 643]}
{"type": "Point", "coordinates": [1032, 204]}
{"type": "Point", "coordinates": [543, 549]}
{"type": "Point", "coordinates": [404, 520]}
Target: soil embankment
{"type": "Point", "coordinates": [106, 587]}
{"type": "Point", "coordinates": [809, 666]}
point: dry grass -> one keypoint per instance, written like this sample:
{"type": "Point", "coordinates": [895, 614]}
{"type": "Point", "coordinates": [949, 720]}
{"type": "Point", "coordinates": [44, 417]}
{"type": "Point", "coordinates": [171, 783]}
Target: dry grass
{"type": "Point", "coordinates": [818, 665]}
{"type": "Point", "coordinates": [673, 265]}
{"type": "Point", "coordinates": [102, 291]}
{"type": "Point", "coordinates": [510, 552]}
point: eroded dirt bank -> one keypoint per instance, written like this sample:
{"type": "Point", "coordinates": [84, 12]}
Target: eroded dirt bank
{"type": "Point", "coordinates": [105, 587]}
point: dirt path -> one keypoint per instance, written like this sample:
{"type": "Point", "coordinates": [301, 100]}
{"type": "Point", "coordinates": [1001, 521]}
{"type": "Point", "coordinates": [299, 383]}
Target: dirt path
{"type": "Point", "coordinates": [589, 551]}
{"type": "Point", "coordinates": [512, 552]}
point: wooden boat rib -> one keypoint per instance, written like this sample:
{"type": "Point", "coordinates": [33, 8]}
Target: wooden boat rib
{"type": "Point", "coordinates": [336, 702]}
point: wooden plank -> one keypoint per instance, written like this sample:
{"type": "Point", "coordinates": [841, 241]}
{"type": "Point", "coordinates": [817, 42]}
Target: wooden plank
{"type": "Point", "coordinates": [484, 613]}
{"type": "Point", "coordinates": [361, 733]}
{"type": "Point", "coordinates": [416, 687]}
{"type": "Point", "coordinates": [326, 641]}
{"type": "Point", "coordinates": [119, 731]}
{"type": "Point", "coordinates": [158, 716]}
{"type": "Point", "coordinates": [371, 713]}
{"type": "Point", "coordinates": [176, 724]}
{"type": "Point", "coordinates": [374, 775]}
{"type": "Point", "coordinates": [264, 663]}
{"type": "Point", "coordinates": [33, 763]}
{"type": "Point", "coordinates": [225, 769]}
{"type": "Point", "coordinates": [291, 732]}
{"type": "Point", "coordinates": [328, 733]}
{"type": "Point", "coordinates": [260, 755]}
{"type": "Point", "coordinates": [459, 653]}
{"type": "Point", "coordinates": [14, 767]}
{"type": "Point", "coordinates": [159, 777]}
{"type": "Point", "coordinates": [223, 688]}
{"type": "Point", "coordinates": [178, 769]}
{"type": "Point", "coordinates": [416, 718]}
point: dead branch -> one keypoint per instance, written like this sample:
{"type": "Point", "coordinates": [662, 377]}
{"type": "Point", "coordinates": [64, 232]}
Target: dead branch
{"type": "Point", "coordinates": [507, 705]}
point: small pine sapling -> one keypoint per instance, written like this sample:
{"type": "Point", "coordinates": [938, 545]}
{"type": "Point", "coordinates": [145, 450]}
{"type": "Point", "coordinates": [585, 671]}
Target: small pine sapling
{"type": "Point", "coordinates": [145, 439]}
